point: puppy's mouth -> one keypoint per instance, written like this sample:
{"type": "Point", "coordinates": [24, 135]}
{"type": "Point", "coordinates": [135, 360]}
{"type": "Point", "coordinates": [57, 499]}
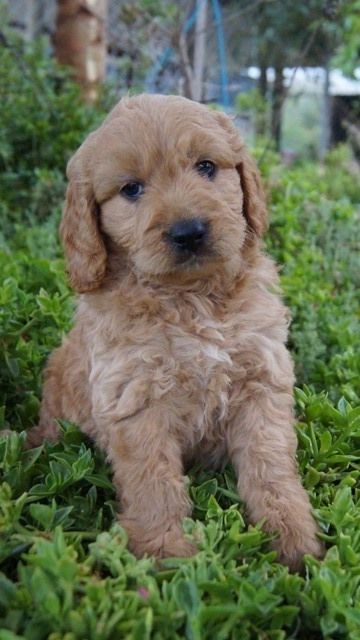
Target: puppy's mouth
{"type": "Point", "coordinates": [190, 259]}
{"type": "Point", "coordinates": [190, 242]}
{"type": "Point", "coordinates": [192, 267]}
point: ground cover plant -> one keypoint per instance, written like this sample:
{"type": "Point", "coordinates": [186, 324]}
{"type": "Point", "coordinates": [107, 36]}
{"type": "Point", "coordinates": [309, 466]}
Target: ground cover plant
{"type": "Point", "coordinates": [65, 571]}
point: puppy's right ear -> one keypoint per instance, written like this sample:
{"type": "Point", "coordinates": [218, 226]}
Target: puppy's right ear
{"type": "Point", "coordinates": [79, 231]}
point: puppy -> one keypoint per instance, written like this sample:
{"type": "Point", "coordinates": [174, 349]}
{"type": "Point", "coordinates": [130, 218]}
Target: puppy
{"type": "Point", "coordinates": [178, 349]}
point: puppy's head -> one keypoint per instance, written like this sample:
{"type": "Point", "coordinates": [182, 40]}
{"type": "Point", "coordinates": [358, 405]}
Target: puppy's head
{"type": "Point", "coordinates": [165, 186]}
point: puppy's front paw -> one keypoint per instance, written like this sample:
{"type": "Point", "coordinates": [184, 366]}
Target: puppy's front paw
{"type": "Point", "coordinates": [37, 435]}
{"type": "Point", "coordinates": [176, 545]}
{"type": "Point", "coordinates": [293, 545]}
{"type": "Point", "coordinates": [167, 542]}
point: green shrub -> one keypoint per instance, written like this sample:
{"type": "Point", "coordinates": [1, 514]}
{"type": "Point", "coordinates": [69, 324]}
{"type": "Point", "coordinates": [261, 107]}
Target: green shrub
{"type": "Point", "coordinates": [315, 235]}
{"type": "Point", "coordinates": [42, 121]}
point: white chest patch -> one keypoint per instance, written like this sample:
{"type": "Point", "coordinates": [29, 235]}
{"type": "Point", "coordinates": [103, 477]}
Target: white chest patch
{"type": "Point", "coordinates": [204, 372]}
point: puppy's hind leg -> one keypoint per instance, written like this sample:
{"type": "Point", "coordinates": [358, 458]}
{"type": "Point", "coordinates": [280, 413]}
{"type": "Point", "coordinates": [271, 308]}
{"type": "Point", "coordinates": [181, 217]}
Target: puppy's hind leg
{"type": "Point", "coordinates": [47, 429]}
{"type": "Point", "coordinates": [59, 382]}
{"type": "Point", "coordinates": [65, 392]}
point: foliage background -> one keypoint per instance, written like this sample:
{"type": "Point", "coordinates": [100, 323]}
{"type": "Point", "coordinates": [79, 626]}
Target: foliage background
{"type": "Point", "coordinates": [149, 44]}
{"type": "Point", "coordinates": [65, 572]}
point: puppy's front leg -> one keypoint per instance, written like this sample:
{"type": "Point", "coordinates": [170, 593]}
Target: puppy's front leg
{"type": "Point", "coordinates": [262, 445]}
{"type": "Point", "coordinates": [148, 476]}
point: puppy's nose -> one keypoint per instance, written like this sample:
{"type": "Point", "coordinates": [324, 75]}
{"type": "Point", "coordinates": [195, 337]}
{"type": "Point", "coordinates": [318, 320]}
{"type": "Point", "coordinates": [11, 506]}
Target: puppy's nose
{"type": "Point", "coordinates": [188, 235]}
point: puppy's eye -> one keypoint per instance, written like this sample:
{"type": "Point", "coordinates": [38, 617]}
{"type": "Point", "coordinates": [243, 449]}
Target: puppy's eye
{"type": "Point", "coordinates": [132, 190]}
{"type": "Point", "coordinates": [206, 168]}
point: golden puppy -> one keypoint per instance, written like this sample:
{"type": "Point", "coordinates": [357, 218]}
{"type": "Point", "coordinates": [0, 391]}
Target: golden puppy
{"type": "Point", "coordinates": [178, 349]}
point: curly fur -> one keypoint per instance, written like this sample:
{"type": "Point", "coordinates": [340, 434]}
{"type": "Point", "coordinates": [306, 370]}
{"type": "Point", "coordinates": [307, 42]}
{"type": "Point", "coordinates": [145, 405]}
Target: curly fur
{"type": "Point", "coordinates": [173, 362]}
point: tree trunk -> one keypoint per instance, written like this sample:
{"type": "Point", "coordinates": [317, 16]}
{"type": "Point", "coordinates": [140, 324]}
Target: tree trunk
{"type": "Point", "coordinates": [199, 50]}
{"type": "Point", "coordinates": [325, 114]}
{"type": "Point", "coordinates": [277, 104]}
{"type": "Point", "coordinates": [263, 79]}
{"type": "Point", "coordinates": [193, 58]}
{"type": "Point", "coordinates": [80, 41]}
{"type": "Point", "coordinates": [261, 116]}
{"type": "Point", "coordinates": [188, 80]}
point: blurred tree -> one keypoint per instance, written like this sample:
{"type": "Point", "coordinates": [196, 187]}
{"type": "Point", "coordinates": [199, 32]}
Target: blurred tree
{"type": "Point", "coordinates": [294, 34]}
{"type": "Point", "coordinates": [80, 41]}
{"type": "Point", "coordinates": [282, 32]}
{"type": "Point", "coordinates": [139, 33]}
{"type": "Point", "coordinates": [348, 52]}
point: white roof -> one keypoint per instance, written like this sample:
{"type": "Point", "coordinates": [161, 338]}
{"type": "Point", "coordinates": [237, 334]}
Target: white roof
{"type": "Point", "coordinates": [311, 80]}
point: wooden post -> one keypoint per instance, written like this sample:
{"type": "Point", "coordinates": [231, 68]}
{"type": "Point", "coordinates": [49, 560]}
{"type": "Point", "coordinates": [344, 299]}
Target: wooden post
{"type": "Point", "coordinates": [80, 42]}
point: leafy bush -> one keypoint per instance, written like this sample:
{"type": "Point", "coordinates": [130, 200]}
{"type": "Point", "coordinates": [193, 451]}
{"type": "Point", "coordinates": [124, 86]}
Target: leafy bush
{"type": "Point", "coordinates": [65, 571]}
{"type": "Point", "coordinates": [315, 234]}
{"type": "Point", "coordinates": [42, 121]}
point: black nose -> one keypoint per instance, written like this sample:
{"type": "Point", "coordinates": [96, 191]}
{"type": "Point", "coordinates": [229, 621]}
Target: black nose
{"type": "Point", "coordinates": [188, 235]}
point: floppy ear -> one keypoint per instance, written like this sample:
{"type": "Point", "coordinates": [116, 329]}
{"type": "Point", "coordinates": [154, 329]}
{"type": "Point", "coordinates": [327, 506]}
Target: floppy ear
{"type": "Point", "coordinates": [83, 244]}
{"type": "Point", "coordinates": [254, 205]}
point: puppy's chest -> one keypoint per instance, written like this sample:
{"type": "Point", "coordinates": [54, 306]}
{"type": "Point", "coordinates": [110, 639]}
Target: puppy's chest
{"type": "Point", "coordinates": [202, 346]}
{"type": "Point", "coordinates": [202, 349]}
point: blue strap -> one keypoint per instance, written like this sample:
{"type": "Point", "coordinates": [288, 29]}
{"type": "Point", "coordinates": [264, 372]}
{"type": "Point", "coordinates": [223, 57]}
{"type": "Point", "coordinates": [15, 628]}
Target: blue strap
{"type": "Point", "coordinates": [224, 79]}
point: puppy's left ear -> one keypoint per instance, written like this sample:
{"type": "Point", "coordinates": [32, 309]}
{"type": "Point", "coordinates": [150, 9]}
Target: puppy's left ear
{"type": "Point", "coordinates": [254, 206]}
{"type": "Point", "coordinates": [254, 201]}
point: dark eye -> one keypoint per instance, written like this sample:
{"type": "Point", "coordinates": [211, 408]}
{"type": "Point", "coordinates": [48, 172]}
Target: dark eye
{"type": "Point", "coordinates": [206, 168]}
{"type": "Point", "coordinates": [132, 190]}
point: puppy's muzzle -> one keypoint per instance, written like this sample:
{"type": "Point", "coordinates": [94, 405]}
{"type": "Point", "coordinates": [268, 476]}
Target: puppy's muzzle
{"type": "Point", "coordinates": [188, 236]}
